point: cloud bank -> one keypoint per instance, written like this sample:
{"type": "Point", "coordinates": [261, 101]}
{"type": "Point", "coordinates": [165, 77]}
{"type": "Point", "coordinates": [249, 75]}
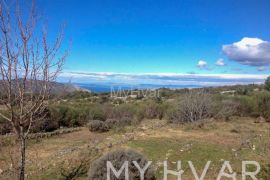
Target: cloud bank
{"type": "Point", "coordinates": [181, 79]}
{"type": "Point", "coordinates": [249, 51]}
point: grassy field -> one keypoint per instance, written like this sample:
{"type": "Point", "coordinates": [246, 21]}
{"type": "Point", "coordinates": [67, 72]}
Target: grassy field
{"type": "Point", "coordinates": [235, 140]}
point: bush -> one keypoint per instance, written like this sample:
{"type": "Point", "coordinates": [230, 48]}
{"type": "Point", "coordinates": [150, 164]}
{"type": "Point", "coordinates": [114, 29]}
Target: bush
{"type": "Point", "coordinates": [263, 103]}
{"type": "Point", "coordinates": [153, 110]}
{"type": "Point", "coordinates": [98, 126]}
{"type": "Point", "coordinates": [125, 121]}
{"type": "Point", "coordinates": [98, 170]}
{"type": "Point", "coordinates": [76, 114]}
{"type": "Point", "coordinates": [123, 110]}
{"type": "Point", "coordinates": [68, 116]}
{"type": "Point", "coordinates": [173, 114]}
{"type": "Point", "coordinates": [267, 83]}
{"type": "Point", "coordinates": [45, 125]}
{"type": "Point", "coordinates": [194, 106]}
{"type": "Point", "coordinates": [59, 114]}
{"type": "Point", "coordinates": [247, 106]}
{"type": "Point", "coordinates": [111, 122]}
{"type": "Point", "coordinates": [139, 114]}
{"type": "Point", "coordinates": [224, 109]}
{"type": "Point", "coordinates": [78, 95]}
{"type": "Point", "coordinates": [97, 113]}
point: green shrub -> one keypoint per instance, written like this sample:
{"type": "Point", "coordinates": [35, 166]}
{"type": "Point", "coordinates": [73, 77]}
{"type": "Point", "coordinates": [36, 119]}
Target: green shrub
{"type": "Point", "coordinates": [45, 125]}
{"type": "Point", "coordinates": [173, 114]}
{"type": "Point", "coordinates": [153, 110]}
{"type": "Point", "coordinates": [96, 112]}
{"type": "Point", "coordinates": [125, 121]}
{"type": "Point", "coordinates": [242, 91]}
{"type": "Point", "coordinates": [97, 126]}
{"type": "Point", "coordinates": [263, 103]}
{"type": "Point", "coordinates": [78, 95]}
{"type": "Point", "coordinates": [98, 170]}
{"type": "Point", "coordinates": [139, 114]}
{"type": "Point", "coordinates": [247, 106]}
{"type": "Point", "coordinates": [225, 109]}
{"type": "Point", "coordinates": [60, 113]}
{"type": "Point", "coordinates": [76, 114]}
{"type": "Point", "coordinates": [267, 83]}
{"type": "Point", "coordinates": [123, 110]}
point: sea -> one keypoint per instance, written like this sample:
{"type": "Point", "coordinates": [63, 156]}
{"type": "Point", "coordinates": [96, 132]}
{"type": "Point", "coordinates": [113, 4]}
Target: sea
{"type": "Point", "coordinates": [105, 88]}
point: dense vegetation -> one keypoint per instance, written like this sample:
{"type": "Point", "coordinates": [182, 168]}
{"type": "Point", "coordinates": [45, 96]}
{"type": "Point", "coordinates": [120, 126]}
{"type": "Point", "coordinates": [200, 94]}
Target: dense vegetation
{"type": "Point", "coordinates": [233, 116]}
{"type": "Point", "coordinates": [80, 108]}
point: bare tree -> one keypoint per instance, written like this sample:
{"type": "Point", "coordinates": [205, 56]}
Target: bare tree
{"type": "Point", "coordinates": [193, 106]}
{"type": "Point", "coordinates": [28, 66]}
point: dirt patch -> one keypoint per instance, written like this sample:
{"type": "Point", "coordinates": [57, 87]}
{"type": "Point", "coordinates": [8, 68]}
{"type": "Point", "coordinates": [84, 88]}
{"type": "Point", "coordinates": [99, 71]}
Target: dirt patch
{"type": "Point", "coordinates": [227, 139]}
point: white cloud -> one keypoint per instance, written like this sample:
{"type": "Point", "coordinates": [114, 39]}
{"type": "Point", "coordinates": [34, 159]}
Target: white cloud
{"type": "Point", "coordinates": [202, 64]}
{"type": "Point", "coordinates": [220, 62]}
{"type": "Point", "coordinates": [249, 51]}
{"type": "Point", "coordinates": [182, 79]}
{"type": "Point", "coordinates": [262, 68]}
{"type": "Point", "coordinates": [114, 74]}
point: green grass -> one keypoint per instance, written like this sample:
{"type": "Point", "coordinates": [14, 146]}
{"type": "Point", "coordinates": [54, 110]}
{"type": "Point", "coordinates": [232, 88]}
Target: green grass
{"type": "Point", "coordinates": [172, 150]}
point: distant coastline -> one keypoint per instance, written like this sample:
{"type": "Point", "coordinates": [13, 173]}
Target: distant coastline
{"type": "Point", "coordinates": [104, 88]}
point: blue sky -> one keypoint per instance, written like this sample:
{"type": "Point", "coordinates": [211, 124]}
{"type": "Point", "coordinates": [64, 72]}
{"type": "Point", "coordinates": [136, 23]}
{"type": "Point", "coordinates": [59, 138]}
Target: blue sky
{"type": "Point", "coordinates": [163, 36]}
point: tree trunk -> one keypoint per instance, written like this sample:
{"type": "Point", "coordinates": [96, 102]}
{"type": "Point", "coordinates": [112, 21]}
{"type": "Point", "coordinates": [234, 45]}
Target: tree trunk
{"type": "Point", "coordinates": [22, 159]}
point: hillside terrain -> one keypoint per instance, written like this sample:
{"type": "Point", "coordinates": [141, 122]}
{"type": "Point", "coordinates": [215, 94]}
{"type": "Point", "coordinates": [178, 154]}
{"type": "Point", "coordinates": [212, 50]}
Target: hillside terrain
{"type": "Point", "coordinates": [56, 88]}
{"type": "Point", "coordinates": [209, 124]}
{"type": "Point", "coordinates": [211, 140]}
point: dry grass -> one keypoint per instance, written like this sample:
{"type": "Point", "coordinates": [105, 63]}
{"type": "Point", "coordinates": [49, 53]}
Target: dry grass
{"type": "Point", "coordinates": [214, 140]}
